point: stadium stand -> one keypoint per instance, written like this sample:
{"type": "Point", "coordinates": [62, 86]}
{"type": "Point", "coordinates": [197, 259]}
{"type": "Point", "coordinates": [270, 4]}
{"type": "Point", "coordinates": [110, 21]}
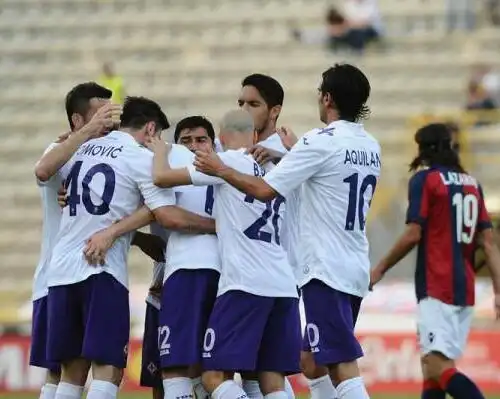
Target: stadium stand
{"type": "Point", "coordinates": [191, 55]}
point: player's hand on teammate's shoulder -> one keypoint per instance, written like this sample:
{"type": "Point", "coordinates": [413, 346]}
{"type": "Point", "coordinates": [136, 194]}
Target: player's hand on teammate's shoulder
{"type": "Point", "coordinates": [157, 145]}
{"type": "Point", "coordinates": [208, 163]}
{"type": "Point", "coordinates": [97, 246]}
{"type": "Point", "coordinates": [104, 120]}
{"type": "Point", "coordinates": [62, 196]}
{"type": "Point", "coordinates": [287, 136]}
{"type": "Point", "coordinates": [263, 155]}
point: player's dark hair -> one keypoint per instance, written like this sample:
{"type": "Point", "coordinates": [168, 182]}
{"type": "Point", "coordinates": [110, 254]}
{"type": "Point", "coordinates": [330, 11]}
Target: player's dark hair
{"type": "Point", "coordinates": [269, 88]}
{"type": "Point", "coordinates": [78, 98]}
{"type": "Point", "coordinates": [435, 148]}
{"type": "Point", "coordinates": [349, 89]}
{"type": "Point", "coordinates": [194, 122]}
{"type": "Point", "coordinates": [137, 111]}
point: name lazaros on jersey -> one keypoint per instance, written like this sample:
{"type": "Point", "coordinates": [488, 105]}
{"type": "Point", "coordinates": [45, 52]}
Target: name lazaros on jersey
{"type": "Point", "coordinates": [458, 179]}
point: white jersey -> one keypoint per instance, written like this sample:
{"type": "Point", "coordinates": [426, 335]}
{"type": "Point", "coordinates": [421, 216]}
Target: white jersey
{"type": "Point", "coordinates": [158, 267]}
{"type": "Point", "coordinates": [290, 230]}
{"type": "Point", "coordinates": [50, 227]}
{"type": "Point", "coordinates": [107, 179]}
{"type": "Point", "coordinates": [338, 168]}
{"type": "Point", "coordinates": [253, 260]}
{"type": "Point", "coordinates": [191, 251]}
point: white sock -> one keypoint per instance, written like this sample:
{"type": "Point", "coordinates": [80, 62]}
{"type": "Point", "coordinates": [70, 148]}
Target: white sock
{"type": "Point", "coordinates": [277, 395]}
{"type": "Point", "coordinates": [322, 388]}
{"type": "Point", "coordinates": [353, 388]}
{"type": "Point", "coordinates": [48, 391]}
{"type": "Point", "coordinates": [288, 389]}
{"type": "Point", "coordinates": [229, 390]}
{"type": "Point", "coordinates": [199, 390]}
{"type": "Point", "coordinates": [68, 391]}
{"type": "Point", "coordinates": [252, 389]}
{"type": "Point", "coordinates": [102, 390]}
{"type": "Point", "coordinates": [178, 387]}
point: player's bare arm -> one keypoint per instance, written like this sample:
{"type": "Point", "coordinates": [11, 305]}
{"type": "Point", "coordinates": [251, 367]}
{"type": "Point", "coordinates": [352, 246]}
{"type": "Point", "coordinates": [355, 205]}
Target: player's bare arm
{"type": "Point", "coordinates": [408, 240]}
{"type": "Point", "coordinates": [98, 245]}
{"type": "Point", "coordinates": [52, 161]}
{"type": "Point", "coordinates": [163, 175]}
{"type": "Point", "coordinates": [178, 219]}
{"type": "Point", "coordinates": [151, 245]}
{"type": "Point", "coordinates": [170, 217]}
{"type": "Point", "coordinates": [211, 164]}
{"type": "Point", "coordinates": [486, 240]}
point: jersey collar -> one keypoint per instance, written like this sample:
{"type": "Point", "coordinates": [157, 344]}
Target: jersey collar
{"type": "Point", "coordinates": [122, 136]}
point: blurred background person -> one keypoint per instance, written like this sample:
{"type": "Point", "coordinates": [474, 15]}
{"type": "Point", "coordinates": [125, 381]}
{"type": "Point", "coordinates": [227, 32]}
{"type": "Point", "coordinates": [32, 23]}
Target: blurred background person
{"type": "Point", "coordinates": [112, 81]}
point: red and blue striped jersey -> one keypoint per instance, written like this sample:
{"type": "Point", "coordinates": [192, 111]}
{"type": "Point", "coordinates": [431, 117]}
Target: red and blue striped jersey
{"type": "Point", "coordinates": [450, 208]}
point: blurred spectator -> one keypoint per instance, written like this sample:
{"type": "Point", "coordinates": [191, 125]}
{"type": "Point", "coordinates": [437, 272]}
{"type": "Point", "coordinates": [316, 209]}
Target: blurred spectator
{"type": "Point", "coordinates": [354, 28]}
{"type": "Point", "coordinates": [489, 79]}
{"type": "Point", "coordinates": [478, 99]}
{"type": "Point", "coordinates": [461, 15]}
{"type": "Point", "coordinates": [493, 11]}
{"type": "Point", "coordinates": [113, 82]}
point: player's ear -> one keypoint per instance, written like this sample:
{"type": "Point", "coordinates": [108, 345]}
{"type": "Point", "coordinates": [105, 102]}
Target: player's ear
{"type": "Point", "coordinates": [327, 101]}
{"type": "Point", "coordinates": [275, 112]}
{"type": "Point", "coordinates": [78, 121]}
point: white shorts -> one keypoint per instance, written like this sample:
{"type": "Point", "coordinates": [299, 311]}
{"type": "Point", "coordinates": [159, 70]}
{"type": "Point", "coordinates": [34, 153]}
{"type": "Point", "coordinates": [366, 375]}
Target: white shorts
{"type": "Point", "coordinates": [443, 328]}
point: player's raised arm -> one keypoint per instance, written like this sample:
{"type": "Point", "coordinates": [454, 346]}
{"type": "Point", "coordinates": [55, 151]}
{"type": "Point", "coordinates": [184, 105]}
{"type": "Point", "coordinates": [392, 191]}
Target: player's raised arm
{"type": "Point", "coordinates": [48, 165]}
{"type": "Point", "coordinates": [303, 161]}
{"type": "Point", "coordinates": [163, 175]}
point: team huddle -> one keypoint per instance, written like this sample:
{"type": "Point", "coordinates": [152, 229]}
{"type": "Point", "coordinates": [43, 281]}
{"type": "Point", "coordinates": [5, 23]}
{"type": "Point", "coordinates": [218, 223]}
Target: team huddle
{"type": "Point", "coordinates": [241, 227]}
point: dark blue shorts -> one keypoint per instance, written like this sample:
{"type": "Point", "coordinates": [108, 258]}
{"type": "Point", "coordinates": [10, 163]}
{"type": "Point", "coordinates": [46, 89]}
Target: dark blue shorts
{"type": "Point", "coordinates": [89, 319]}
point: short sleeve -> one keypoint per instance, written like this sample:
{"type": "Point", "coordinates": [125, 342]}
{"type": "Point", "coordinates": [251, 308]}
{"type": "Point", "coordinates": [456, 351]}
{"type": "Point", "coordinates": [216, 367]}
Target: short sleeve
{"type": "Point", "coordinates": [180, 157]}
{"type": "Point", "coordinates": [305, 159]}
{"type": "Point", "coordinates": [56, 175]}
{"type": "Point", "coordinates": [154, 197]}
{"type": "Point", "coordinates": [418, 198]}
{"type": "Point", "coordinates": [484, 221]}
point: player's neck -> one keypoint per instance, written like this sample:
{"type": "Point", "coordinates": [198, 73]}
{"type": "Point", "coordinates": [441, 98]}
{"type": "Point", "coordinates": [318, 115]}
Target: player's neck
{"type": "Point", "coordinates": [238, 144]}
{"type": "Point", "coordinates": [331, 116]}
{"type": "Point", "coordinates": [268, 131]}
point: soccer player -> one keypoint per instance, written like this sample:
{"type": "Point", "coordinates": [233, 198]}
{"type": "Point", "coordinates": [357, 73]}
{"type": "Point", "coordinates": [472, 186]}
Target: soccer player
{"type": "Point", "coordinates": [262, 96]}
{"type": "Point", "coordinates": [88, 308]}
{"type": "Point", "coordinates": [337, 168]}
{"type": "Point", "coordinates": [255, 324]}
{"type": "Point", "coordinates": [82, 105]}
{"type": "Point", "coordinates": [191, 280]}
{"type": "Point", "coordinates": [447, 219]}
